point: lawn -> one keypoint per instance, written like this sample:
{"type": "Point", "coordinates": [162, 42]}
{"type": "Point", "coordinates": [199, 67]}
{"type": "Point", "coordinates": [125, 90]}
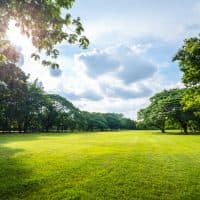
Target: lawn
{"type": "Point", "coordinates": [114, 165]}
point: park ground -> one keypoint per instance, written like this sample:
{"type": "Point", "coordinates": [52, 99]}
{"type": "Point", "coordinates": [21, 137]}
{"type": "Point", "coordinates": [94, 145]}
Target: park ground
{"type": "Point", "coordinates": [113, 165]}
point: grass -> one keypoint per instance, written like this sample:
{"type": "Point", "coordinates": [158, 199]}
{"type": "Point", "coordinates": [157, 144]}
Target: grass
{"type": "Point", "coordinates": [113, 165]}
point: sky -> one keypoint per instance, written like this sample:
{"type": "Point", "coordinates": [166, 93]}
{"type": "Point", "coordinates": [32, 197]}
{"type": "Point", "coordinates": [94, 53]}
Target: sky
{"type": "Point", "coordinates": [132, 43]}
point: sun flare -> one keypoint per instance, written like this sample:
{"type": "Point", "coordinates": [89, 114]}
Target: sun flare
{"type": "Point", "coordinates": [16, 37]}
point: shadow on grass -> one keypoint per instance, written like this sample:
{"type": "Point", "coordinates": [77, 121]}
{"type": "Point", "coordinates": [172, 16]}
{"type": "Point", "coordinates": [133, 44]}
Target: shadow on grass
{"type": "Point", "coordinates": [15, 137]}
{"type": "Point", "coordinates": [15, 181]}
{"type": "Point", "coordinates": [177, 133]}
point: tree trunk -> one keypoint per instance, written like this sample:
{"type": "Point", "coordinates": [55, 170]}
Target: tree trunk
{"type": "Point", "coordinates": [25, 129]}
{"type": "Point", "coordinates": [184, 125]}
{"type": "Point", "coordinates": [19, 127]}
{"type": "Point", "coordinates": [185, 128]}
{"type": "Point", "coordinates": [163, 130]}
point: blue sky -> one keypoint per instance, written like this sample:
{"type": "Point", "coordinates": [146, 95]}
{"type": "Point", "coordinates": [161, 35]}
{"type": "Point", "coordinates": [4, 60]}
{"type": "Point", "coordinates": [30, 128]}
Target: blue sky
{"type": "Point", "coordinates": [129, 58]}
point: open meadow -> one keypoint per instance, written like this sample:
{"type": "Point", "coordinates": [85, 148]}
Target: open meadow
{"type": "Point", "coordinates": [111, 165]}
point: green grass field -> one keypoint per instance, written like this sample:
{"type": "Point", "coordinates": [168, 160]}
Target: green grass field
{"type": "Point", "coordinates": [121, 165]}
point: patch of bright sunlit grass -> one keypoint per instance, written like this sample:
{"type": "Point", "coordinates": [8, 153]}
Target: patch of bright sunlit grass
{"type": "Point", "coordinates": [111, 165]}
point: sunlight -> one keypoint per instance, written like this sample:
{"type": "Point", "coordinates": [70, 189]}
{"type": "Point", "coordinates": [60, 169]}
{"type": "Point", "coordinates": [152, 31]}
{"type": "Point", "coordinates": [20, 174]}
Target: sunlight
{"type": "Point", "coordinates": [17, 38]}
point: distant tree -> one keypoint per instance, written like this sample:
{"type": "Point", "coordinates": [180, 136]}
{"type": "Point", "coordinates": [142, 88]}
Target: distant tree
{"type": "Point", "coordinates": [107, 121]}
{"type": "Point", "coordinates": [95, 121]}
{"type": "Point", "coordinates": [175, 108]}
{"type": "Point", "coordinates": [49, 114]}
{"type": "Point", "coordinates": [155, 114]}
{"type": "Point", "coordinates": [151, 117]}
{"type": "Point", "coordinates": [60, 113]}
{"type": "Point", "coordinates": [113, 120]}
{"type": "Point", "coordinates": [166, 106]}
{"type": "Point", "coordinates": [34, 102]}
{"type": "Point", "coordinates": [127, 124]}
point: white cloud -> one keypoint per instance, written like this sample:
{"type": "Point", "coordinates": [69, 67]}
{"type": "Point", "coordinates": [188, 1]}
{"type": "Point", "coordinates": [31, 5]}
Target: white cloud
{"type": "Point", "coordinates": [124, 62]}
{"type": "Point", "coordinates": [123, 92]}
{"type": "Point", "coordinates": [98, 63]}
{"type": "Point", "coordinates": [89, 95]}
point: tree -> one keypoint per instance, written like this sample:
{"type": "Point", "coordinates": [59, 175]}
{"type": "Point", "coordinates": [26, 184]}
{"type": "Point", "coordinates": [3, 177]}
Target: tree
{"type": "Point", "coordinates": [3, 107]}
{"type": "Point", "coordinates": [191, 102]}
{"type": "Point", "coordinates": [48, 114]}
{"type": "Point", "coordinates": [62, 113]}
{"type": "Point", "coordinates": [152, 117]}
{"type": "Point", "coordinates": [175, 110]}
{"type": "Point", "coordinates": [113, 120]}
{"type": "Point", "coordinates": [165, 108]}
{"type": "Point", "coordinates": [188, 58]}
{"type": "Point", "coordinates": [127, 124]}
{"type": "Point", "coordinates": [95, 121]}
{"type": "Point", "coordinates": [13, 91]}
{"type": "Point", "coordinates": [35, 100]}
{"type": "Point", "coordinates": [45, 22]}
{"type": "Point", "coordinates": [155, 114]}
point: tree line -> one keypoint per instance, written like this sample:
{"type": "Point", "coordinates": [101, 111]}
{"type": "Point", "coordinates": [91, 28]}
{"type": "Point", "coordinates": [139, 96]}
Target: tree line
{"type": "Point", "coordinates": [178, 108]}
{"type": "Point", "coordinates": [26, 107]}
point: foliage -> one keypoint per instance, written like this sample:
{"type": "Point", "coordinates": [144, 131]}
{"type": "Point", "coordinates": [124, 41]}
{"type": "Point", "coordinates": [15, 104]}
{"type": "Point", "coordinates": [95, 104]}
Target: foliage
{"type": "Point", "coordinates": [188, 58]}
{"type": "Point", "coordinates": [166, 107]}
{"type": "Point", "coordinates": [108, 121]}
{"type": "Point", "coordinates": [13, 90]}
{"type": "Point", "coordinates": [45, 22]}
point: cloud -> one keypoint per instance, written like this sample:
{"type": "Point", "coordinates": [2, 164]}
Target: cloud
{"type": "Point", "coordinates": [98, 63]}
{"type": "Point", "coordinates": [122, 92]}
{"type": "Point", "coordinates": [134, 68]}
{"type": "Point", "coordinates": [90, 95]}
{"type": "Point", "coordinates": [123, 62]}
{"type": "Point", "coordinates": [55, 72]}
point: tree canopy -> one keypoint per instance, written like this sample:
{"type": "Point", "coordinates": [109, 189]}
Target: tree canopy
{"type": "Point", "coordinates": [166, 106]}
{"type": "Point", "coordinates": [46, 22]}
{"type": "Point", "coordinates": [188, 58]}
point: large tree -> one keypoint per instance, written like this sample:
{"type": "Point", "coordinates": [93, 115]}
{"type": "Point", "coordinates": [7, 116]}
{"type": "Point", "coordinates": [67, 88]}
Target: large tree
{"type": "Point", "coordinates": [175, 109]}
{"type": "Point", "coordinates": [188, 58]}
{"type": "Point", "coordinates": [153, 117]}
{"type": "Point", "coordinates": [13, 88]}
{"type": "Point", "coordinates": [34, 102]}
{"type": "Point", "coordinates": [46, 22]}
{"type": "Point", "coordinates": [166, 106]}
